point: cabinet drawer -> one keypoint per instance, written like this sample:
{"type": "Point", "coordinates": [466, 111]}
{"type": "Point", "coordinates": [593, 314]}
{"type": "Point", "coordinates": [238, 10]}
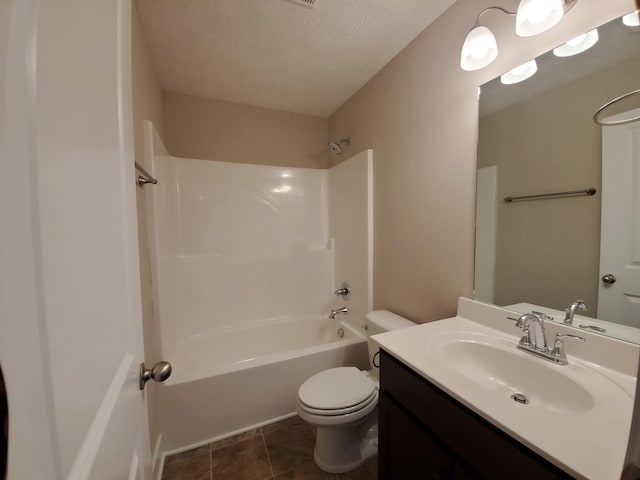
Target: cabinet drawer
{"type": "Point", "coordinates": [491, 453]}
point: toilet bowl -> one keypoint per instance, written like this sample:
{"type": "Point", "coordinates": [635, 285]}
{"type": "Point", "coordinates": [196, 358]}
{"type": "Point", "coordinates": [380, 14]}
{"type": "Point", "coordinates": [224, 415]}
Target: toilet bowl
{"type": "Point", "coordinates": [342, 404]}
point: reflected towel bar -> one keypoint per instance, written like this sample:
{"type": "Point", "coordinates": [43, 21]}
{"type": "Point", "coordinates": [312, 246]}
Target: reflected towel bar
{"type": "Point", "coordinates": [573, 193]}
{"type": "Point", "coordinates": [145, 177]}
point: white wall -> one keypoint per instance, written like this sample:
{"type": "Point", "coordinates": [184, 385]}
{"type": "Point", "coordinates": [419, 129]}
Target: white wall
{"type": "Point", "coordinates": [236, 244]}
{"type": "Point", "coordinates": [351, 227]}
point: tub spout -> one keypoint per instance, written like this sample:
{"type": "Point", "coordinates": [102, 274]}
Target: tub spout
{"type": "Point", "coordinates": [333, 314]}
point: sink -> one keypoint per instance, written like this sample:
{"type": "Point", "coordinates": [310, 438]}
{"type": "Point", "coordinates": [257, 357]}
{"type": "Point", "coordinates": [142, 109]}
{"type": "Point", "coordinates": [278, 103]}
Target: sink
{"type": "Point", "coordinates": [577, 415]}
{"type": "Point", "coordinates": [507, 372]}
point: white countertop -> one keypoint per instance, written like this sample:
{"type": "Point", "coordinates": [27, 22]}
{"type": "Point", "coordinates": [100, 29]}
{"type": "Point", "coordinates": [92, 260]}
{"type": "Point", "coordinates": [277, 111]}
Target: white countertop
{"type": "Point", "coordinates": [586, 439]}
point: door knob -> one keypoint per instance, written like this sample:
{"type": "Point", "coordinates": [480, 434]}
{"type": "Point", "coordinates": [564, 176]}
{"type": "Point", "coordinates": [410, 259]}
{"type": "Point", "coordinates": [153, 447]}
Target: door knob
{"type": "Point", "coordinates": [159, 373]}
{"type": "Point", "coordinates": [609, 279]}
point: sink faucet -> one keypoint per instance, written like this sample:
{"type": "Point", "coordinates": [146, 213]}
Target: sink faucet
{"type": "Point", "coordinates": [537, 344]}
{"type": "Point", "coordinates": [571, 311]}
{"type": "Point", "coordinates": [539, 341]}
{"type": "Point", "coordinates": [333, 314]}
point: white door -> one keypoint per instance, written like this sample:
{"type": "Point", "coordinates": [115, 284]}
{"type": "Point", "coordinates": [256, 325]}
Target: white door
{"type": "Point", "coordinates": [620, 228]}
{"type": "Point", "coordinates": [70, 321]}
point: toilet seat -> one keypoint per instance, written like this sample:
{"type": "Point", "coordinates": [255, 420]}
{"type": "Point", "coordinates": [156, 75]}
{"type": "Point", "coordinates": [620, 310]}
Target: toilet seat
{"type": "Point", "coordinates": [337, 391]}
{"type": "Point", "coordinates": [373, 398]}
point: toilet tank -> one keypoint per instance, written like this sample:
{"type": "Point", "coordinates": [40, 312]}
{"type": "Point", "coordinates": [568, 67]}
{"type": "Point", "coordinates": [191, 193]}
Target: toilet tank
{"type": "Point", "coordinates": [380, 321]}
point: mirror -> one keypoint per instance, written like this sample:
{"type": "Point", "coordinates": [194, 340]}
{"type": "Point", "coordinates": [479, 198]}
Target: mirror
{"type": "Point", "coordinates": [538, 137]}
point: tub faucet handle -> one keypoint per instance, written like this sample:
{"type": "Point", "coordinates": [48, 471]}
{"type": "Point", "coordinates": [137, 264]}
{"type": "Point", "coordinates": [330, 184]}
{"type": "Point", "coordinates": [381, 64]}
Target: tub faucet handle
{"type": "Point", "coordinates": [344, 291]}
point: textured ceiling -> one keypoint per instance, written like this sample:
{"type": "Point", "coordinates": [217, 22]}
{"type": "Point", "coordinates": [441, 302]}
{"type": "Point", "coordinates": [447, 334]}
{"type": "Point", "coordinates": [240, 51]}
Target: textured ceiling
{"type": "Point", "coordinates": [276, 54]}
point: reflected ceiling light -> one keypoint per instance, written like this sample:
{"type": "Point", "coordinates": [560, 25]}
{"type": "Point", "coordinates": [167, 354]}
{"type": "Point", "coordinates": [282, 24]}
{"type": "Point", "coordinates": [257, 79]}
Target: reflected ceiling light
{"type": "Point", "coordinates": [282, 189]}
{"type": "Point", "coordinates": [632, 19]}
{"type": "Point", "coordinates": [520, 73]}
{"type": "Point", "coordinates": [533, 17]}
{"type": "Point", "coordinates": [577, 45]}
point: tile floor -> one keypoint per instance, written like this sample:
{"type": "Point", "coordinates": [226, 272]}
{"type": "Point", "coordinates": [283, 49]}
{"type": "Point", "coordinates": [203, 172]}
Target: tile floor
{"type": "Point", "coordinates": [280, 451]}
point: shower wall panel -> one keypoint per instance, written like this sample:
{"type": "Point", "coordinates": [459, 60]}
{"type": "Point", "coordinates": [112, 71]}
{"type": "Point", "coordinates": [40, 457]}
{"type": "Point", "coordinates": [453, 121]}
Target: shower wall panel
{"type": "Point", "coordinates": [238, 244]}
{"type": "Point", "coordinates": [351, 227]}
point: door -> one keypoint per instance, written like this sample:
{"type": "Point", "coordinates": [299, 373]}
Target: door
{"type": "Point", "coordinates": [620, 227]}
{"type": "Point", "coordinates": [70, 321]}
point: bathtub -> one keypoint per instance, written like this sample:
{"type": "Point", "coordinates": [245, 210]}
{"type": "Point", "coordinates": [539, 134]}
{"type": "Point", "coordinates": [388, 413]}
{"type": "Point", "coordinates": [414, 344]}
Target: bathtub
{"type": "Point", "coordinates": [235, 379]}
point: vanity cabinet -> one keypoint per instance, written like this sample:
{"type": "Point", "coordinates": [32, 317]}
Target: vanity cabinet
{"type": "Point", "coordinates": [426, 434]}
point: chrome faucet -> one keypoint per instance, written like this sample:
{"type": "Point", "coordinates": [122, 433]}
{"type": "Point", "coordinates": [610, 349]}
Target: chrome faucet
{"type": "Point", "coordinates": [333, 314]}
{"type": "Point", "coordinates": [539, 341]}
{"type": "Point", "coordinates": [537, 344]}
{"type": "Point", "coordinates": [571, 311]}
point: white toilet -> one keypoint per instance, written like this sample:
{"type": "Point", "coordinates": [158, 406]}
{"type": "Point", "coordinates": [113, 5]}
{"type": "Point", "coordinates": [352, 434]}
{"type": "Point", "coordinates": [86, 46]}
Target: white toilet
{"type": "Point", "coordinates": [341, 403]}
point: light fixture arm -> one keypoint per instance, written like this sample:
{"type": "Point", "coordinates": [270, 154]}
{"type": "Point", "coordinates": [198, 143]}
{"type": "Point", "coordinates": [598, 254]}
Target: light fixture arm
{"type": "Point", "coordinates": [568, 5]}
{"type": "Point", "coordinates": [503, 10]}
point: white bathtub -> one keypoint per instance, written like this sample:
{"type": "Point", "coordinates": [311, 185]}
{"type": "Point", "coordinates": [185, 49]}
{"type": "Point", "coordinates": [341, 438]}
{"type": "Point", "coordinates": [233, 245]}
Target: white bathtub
{"type": "Point", "coordinates": [231, 380]}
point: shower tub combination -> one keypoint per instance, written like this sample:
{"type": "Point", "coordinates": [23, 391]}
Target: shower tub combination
{"type": "Point", "coordinates": [229, 381]}
{"type": "Point", "coordinates": [244, 262]}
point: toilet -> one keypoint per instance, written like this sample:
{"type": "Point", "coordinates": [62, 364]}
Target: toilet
{"type": "Point", "coordinates": [341, 403]}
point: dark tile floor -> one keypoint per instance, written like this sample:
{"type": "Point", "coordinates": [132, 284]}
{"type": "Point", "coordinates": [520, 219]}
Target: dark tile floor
{"type": "Point", "coordinates": [280, 451]}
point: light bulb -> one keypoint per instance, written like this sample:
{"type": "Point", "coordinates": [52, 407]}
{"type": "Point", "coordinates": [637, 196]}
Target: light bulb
{"type": "Point", "coordinates": [578, 44]}
{"type": "Point", "coordinates": [520, 73]}
{"type": "Point", "coordinates": [479, 49]}
{"type": "Point", "coordinates": [632, 19]}
{"type": "Point", "coordinates": [537, 12]}
{"type": "Point", "coordinates": [519, 70]}
{"type": "Point", "coordinates": [577, 40]}
{"type": "Point", "coordinates": [537, 16]}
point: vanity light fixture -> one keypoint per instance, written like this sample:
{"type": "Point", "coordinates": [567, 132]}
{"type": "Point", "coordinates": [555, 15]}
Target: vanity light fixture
{"type": "Point", "coordinates": [537, 16]}
{"type": "Point", "coordinates": [578, 44]}
{"type": "Point", "coordinates": [532, 17]}
{"type": "Point", "coordinates": [632, 19]}
{"type": "Point", "coordinates": [520, 73]}
{"type": "Point", "coordinates": [479, 50]}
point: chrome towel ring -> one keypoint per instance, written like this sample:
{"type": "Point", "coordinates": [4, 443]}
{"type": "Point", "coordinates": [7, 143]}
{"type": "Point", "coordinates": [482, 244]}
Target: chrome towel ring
{"type": "Point", "coordinates": [599, 113]}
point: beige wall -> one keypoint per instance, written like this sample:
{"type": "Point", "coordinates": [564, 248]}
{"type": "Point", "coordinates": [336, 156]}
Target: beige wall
{"type": "Point", "coordinates": [207, 129]}
{"type": "Point", "coordinates": [419, 114]}
{"type": "Point", "coordinates": [147, 105]}
{"type": "Point", "coordinates": [549, 143]}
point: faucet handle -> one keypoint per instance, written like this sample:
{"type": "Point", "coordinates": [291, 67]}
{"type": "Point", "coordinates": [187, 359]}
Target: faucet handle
{"type": "Point", "coordinates": [519, 323]}
{"type": "Point", "coordinates": [526, 337]}
{"type": "Point", "coordinates": [569, 335]}
{"type": "Point", "coordinates": [344, 291]}
{"type": "Point", "coordinates": [558, 347]}
{"type": "Point", "coordinates": [542, 315]}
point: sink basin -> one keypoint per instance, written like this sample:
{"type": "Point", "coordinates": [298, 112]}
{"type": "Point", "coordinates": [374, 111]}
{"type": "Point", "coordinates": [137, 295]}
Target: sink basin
{"type": "Point", "coordinates": [508, 372]}
{"type": "Point", "coordinates": [577, 415]}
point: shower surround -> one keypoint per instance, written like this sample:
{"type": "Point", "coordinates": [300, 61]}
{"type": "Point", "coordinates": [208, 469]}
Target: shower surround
{"type": "Point", "coordinates": [245, 259]}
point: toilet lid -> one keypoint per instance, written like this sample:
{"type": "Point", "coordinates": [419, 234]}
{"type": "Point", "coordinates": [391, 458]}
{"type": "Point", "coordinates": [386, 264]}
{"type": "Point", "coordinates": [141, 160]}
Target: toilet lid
{"type": "Point", "coordinates": [336, 389]}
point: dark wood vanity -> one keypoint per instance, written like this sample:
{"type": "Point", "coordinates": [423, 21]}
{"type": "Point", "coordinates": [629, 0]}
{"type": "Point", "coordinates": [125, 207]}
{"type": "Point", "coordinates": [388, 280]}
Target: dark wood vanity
{"type": "Point", "coordinates": [426, 434]}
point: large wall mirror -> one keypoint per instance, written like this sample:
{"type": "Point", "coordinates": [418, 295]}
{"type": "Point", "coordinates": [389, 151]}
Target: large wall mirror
{"type": "Point", "coordinates": [538, 137]}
